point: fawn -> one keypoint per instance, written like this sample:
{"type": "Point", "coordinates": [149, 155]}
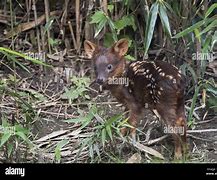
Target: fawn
{"type": "Point", "coordinates": [157, 83]}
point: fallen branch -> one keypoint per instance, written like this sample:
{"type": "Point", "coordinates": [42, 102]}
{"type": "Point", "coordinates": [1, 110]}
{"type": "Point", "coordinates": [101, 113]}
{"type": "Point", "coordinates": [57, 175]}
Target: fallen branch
{"type": "Point", "coordinates": [201, 130]}
{"type": "Point", "coordinates": [29, 25]}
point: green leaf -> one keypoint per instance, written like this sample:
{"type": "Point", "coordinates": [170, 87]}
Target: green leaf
{"type": "Point", "coordinates": [124, 22]}
{"type": "Point", "coordinates": [108, 40]}
{"type": "Point", "coordinates": [210, 10]}
{"type": "Point", "coordinates": [192, 73]}
{"type": "Point", "coordinates": [49, 24]}
{"type": "Point", "coordinates": [5, 138]}
{"type": "Point", "coordinates": [193, 27]}
{"type": "Point", "coordinates": [209, 27]}
{"type": "Point", "coordinates": [22, 135]}
{"type": "Point", "coordinates": [100, 26]}
{"type": "Point", "coordinates": [129, 57]}
{"type": "Point", "coordinates": [111, 7]}
{"type": "Point", "coordinates": [150, 26]}
{"type": "Point", "coordinates": [206, 44]}
{"type": "Point", "coordinates": [193, 102]}
{"type": "Point", "coordinates": [109, 131]}
{"type": "Point", "coordinates": [97, 17]}
{"type": "Point", "coordinates": [189, 29]}
{"type": "Point", "coordinates": [62, 143]}
{"type": "Point", "coordinates": [164, 20]}
{"type": "Point", "coordinates": [10, 149]}
{"type": "Point", "coordinates": [58, 148]}
{"type": "Point", "coordinates": [36, 61]}
{"type": "Point", "coordinates": [197, 34]}
{"type": "Point", "coordinates": [112, 27]}
{"type": "Point", "coordinates": [16, 61]}
{"type": "Point", "coordinates": [100, 19]}
{"type": "Point", "coordinates": [113, 119]}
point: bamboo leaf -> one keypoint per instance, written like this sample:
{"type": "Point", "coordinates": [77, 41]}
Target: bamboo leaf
{"type": "Point", "coordinates": [189, 29]}
{"type": "Point", "coordinates": [164, 19]}
{"type": "Point", "coordinates": [150, 26]}
{"type": "Point", "coordinates": [210, 10]}
{"type": "Point", "coordinates": [5, 138]}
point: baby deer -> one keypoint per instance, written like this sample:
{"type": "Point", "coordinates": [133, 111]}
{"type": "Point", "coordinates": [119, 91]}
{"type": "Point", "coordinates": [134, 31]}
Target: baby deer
{"type": "Point", "coordinates": [157, 83]}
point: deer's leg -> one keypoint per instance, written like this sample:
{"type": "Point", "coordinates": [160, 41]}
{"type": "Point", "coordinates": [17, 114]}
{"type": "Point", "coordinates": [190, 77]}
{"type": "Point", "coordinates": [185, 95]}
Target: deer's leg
{"type": "Point", "coordinates": [130, 103]}
{"type": "Point", "coordinates": [182, 140]}
{"type": "Point", "coordinates": [134, 114]}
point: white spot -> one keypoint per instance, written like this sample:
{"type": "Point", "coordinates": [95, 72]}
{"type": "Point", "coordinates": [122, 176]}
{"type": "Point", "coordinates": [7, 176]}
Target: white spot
{"type": "Point", "coordinates": [148, 85]}
{"type": "Point", "coordinates": [139, 71]}
{"type": "Point", "coordinates": [179, 75]}
{"type": "Point", "coordinates": [156, 113]}
{"type": "Point", "coordinates": [144, 73]}
{"type": "Point", "coordinates": [159, 70]}
{"type": "Point", "coordinates": [135, 68]}
{"type": "Point", "coordinates": [180, 72]}
{"type": "Point", "coordinates": [147, 71]}
{"type": "Point", "coordinates": [174, 81]}
{"type": "Point", "coordinates": [146, 76]}
{"type": "Point", "coordinates": [169, 76]}
{"type": "Point", "coordinates": [151, 92]}
{"type": "Point", "coordinates": [175, 67]}
{"type": "Point", "coordinates": [150, 75]}
{"type": "Point", "coordinates": [152, 79]}
{"type": "Point", "coordinates": [162, 74]}
{"type": "Point", "coordinates": [161, 89]}
{"type": "Point", "coordinates": [159, 92]}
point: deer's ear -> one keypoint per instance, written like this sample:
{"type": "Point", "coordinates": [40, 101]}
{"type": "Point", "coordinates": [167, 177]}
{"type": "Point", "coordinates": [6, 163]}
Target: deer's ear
{"type": "Point", "coordinates": [89, 48]}
{"type": "Point", "coordinates": [121, 47]}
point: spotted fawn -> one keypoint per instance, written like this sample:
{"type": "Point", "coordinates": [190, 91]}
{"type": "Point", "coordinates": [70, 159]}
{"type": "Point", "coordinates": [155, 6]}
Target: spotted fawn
{"type": "Point", "coordinates": [156, 83]}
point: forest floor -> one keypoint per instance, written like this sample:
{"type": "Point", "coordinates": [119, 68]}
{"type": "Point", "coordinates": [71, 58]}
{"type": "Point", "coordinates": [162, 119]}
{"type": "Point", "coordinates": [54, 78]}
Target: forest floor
{"type": "Point", "coordinates": [49, 126]}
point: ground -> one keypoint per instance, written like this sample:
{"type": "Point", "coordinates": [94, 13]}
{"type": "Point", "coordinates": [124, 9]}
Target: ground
{"type": "Point", "coordinates": [49, 127]}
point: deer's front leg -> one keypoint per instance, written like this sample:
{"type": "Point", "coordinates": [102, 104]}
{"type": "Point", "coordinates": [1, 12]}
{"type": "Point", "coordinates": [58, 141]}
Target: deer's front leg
{"type": "Point", "coordinates": [134, 108]}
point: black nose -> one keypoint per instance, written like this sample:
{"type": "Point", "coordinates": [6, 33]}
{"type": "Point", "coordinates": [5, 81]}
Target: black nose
{"type": "Point", "coordinates": [100, 81]}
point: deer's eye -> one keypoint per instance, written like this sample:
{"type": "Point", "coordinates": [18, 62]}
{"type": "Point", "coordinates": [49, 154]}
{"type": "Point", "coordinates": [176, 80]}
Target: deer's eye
{"type": "Point", "coordinates": [109, 67]}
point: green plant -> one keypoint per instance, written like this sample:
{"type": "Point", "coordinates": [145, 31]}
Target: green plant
{"type": "Point", "coordinates": [102, 133]}
{"type": "Point", "coordinates": [12, 135]}
{"type": "Point", "coordinates": [101, 20]}
{"type": "Point", "coordinates": [208, 91]}
{"type": "Point", "coordinates": [159, 7]}
{"type": "Point", "coordinates": [12, 55]}
{"type": "Point", "coordinates": [77, 90]}
{"type": "Point", "coordinates": [204, 32]}
{"type": "Point", "coordinates": [58, 148]}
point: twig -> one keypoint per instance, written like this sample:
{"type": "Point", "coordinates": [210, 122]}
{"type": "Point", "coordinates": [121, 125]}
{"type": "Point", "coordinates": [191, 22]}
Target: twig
{"type": "Point", "coordinates": [156, 140]}
{"type": "Point", "coordinates": [201, 130]}
{"type": "Point", "coordinates": [199, 138]}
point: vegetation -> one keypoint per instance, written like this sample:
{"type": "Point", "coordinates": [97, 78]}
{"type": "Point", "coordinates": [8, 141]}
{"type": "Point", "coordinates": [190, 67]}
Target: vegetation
{"type": "Point", "coordinates": [50, 110]}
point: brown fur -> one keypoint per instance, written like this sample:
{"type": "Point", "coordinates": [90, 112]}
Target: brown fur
{"type": "Point", "coordinates": [157, 83]}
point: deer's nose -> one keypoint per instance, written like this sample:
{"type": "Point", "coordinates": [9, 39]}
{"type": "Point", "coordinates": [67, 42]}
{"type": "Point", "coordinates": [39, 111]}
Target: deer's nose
{"type": "Point", "coordinates": [100, 80]}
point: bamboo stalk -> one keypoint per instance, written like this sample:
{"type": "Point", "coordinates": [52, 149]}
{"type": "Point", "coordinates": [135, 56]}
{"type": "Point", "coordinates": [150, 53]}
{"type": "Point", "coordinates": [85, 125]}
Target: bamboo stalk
{"type": "Point", "coordinates": [77, 14]}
